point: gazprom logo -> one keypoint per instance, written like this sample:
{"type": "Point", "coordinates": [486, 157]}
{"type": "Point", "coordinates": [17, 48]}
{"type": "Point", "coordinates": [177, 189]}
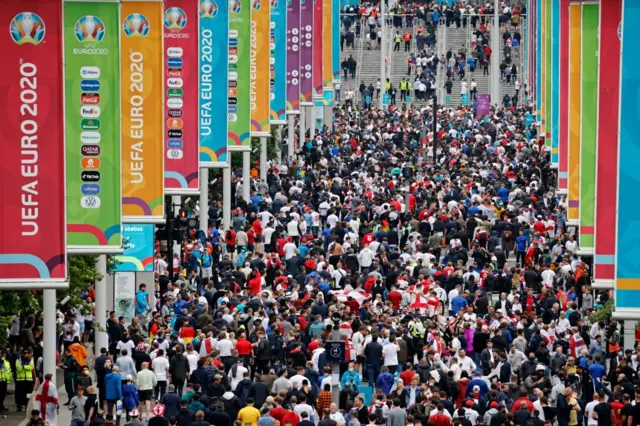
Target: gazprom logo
{"type": "Point", "coordinates": [175, 62]}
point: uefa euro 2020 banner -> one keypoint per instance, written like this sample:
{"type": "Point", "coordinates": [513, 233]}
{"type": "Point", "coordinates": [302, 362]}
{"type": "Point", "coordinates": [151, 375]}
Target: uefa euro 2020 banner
{"type": "Point", "coordinates": [142, 112]}
{"type": "Point", "coordinates": [181, 97]}
{"type": "Point", "coordinates": [213, 81]}
{"type": "Point", "coordinates": [138, 240]}
{"type": "Point", "coordinates": [260, 73]}
{"type": "Point", "coordinates": [32, 183]}
{"type": "Point", "coordinates": [239, 73]}
{"type": "Point", "coordinates": [277, 61]}
{"type": "Point", "coordinates": [92, 112]}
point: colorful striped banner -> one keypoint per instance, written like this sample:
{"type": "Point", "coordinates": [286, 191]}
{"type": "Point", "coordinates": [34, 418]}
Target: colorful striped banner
{"type": "Point", "coordinates": [575, 54]}
{"type": "Point", "coordinates": [538, 67]}
{"type": "Point", "coordinates": [293, 56]}
{"type": "Point", "coordinates": [239, 91]}
{"type": "Point", "coordinates": [555, 81]}
{"type": "Point", "coordinates": [327, 52]}
{"type": "Point", "coordinates": [563, 131]}
{"type": "Point", "coordinates": [628, 227]}
{"type": "Point", "coordinates": [607, 144]}
{"type": "Point", "coordinates": [548, 94]}
{"type": "Point", "coordinates": [335, 57]}
{"type": "Point", "coordinates": [278, 61]}
{"type": "Point", "coordinates": [260, 74]}
{"type": "Point", "coordinates": [589, 99]}
{"type": "Point", "coordinates": [542, 68]}
{"type": "Point", "coordinates": [306, 53]}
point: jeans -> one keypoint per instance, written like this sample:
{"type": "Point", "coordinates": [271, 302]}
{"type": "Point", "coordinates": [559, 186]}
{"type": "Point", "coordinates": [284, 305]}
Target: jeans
{"type": "Point", "coordinates": [374, 372]}
{"type": "Point", "coordinates": [77, 422]}
{"type": "Point", "coordinates": [161, 389]}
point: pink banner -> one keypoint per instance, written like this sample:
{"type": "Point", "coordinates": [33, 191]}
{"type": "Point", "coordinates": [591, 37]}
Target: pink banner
{"type": "Point", "coordinates": [306, 52]}
{"type": "Point", "coordinates": [607, 145]}
{"type": "Point", "coordinates": [181, 78]}
{"type": "Point", "coordinates": [563, 166]}
{"type": "Point", "coordinates": [317, 47]}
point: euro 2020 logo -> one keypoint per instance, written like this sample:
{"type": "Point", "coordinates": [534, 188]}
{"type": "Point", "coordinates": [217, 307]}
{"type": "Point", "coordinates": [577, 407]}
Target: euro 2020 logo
{"type": "Point", "coordinates": [136, 25]}
{"type": "Point", "coordinates": [89, 29]}
{"type": "Point", "coordinates": [235, 6]}
{"type": "Point", "coordinates": [256, 4]}
{"type": "Point", "coordinates": [208, 9]}
{"type": "Point", "coordinates": [175, 18]}
{"type": "Point", "coordinates": [274, 4]}
{"type": "Point", "coordinates": [27, 27]}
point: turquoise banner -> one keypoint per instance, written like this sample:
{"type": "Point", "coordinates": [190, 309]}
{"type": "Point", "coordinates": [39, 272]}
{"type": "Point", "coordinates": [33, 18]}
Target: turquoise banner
{"type": "Point", "coordinates": [337, 30]}
{"type": "Point", "coordinates": [138, 243]}
{"type": "Point", "coordinates": [213, 81]}
{"type": "Point", "coordinates": [555, 81]}
{"type": "Point", "coordinates": [278, 59]}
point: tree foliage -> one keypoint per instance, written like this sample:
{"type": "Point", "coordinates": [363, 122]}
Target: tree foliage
{"type": "Point", "coordinates": [82, 273]}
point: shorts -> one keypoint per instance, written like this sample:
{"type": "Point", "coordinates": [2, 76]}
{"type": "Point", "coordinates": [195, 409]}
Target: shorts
{"type": "Point", "coordinates": [146, 395]}
{"type": "Point", "coordinates": [206, 272]}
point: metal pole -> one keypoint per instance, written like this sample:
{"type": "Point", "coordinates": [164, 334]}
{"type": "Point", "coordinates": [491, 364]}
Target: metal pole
{"type": "Point", "coordinates": [435, 128]}
{"type": "Point", "coordinates": [263, 158]}
{"type": "Point", "coordinates": [278, 144]}
{"type": "Point", "coordinates": [302, 128]}
{"type": "Point", "coordinates": [495, 53]}
{"type": "Point", "coordinates": [226, 195]}
{"type": "Point", "coordinates": [49, 337]}
{"type": "Point", "coordinates": [204, 199]}
{"type": "Point", "coordinates": [246, 175]}
{"type": "Point", "coordinates": [383, 44]}
{"type": "Point", "coordinates": [101, 338]}
{"type": "Point", "coordinates": [291, 131]}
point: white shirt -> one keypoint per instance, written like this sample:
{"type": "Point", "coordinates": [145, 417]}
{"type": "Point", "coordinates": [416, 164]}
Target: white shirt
{"type": "Point", "coordinates": [390, 354]}
{"type": "Point", "coordinates": [337, 417]}
{"type": "Point", "coordinates": [238, 377]}
{"type": "Point", "coordinates": [547, 277]}
{"type": "Point", "coordinates": [588, 413]}
{"type": "Point", "coordinates": [128, 346]}
{"type": "Point", "coordinates": [297, 380]}
{"type": "Point", "coordinates": [289, 250]}
{"type": "Point", "coordinates": [467, 364]}
{"type": "Point", "coordinates": [160, 366]}
{"type": "Point", "coordinates": [193, 358]}
{"type": "Point", "coordinates": [225, 347]}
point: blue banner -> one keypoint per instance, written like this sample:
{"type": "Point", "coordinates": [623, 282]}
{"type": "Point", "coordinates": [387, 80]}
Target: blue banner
{"type": "Point", "coordinates": [555, 81]}
{"type": "Point", "coordinates": [138, 242]}
{"type": "Point", "coordinates": [337, 29]}
{"type": "Point", "coordinates": [627, 277]}
{"type": "Point", "coordinates": [213, 81]}
{"type": "Point", "coordinates": [278, 59]}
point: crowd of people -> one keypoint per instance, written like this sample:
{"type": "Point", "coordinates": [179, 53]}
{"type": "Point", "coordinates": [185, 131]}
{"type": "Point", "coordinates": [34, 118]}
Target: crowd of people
{"type": "Point", "coordinates": [441, 263]}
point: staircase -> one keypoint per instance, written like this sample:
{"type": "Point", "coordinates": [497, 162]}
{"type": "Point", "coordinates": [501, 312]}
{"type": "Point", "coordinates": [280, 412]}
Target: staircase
{"type": "Point", "coordinates": [456, 39]}
{"type": "Point", "coordinates": [517, 57]}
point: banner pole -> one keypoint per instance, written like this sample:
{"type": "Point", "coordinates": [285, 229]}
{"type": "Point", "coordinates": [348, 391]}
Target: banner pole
{"type": "Point", "coordinates": [278, 144]}
{"type": "Point", "coordinates": [226, 195]}
{"type": "Point", "coordinates": [246, 175]}
{"type": "Point", "coordinates": [291, 137]}
{"type": "Point", "coordinates": [204, 199]}
{"type": "Point", "coordinates": [49, 333]}
{"type": "Point", "coordinates": [263, 158]}
{"type": "Point", "coordinates": [302, 124]}
{"type": "Point", "coordinates": [101, 304]}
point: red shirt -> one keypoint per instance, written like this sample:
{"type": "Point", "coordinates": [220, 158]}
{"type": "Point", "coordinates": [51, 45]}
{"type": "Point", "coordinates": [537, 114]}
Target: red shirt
{"type": "Point", "coordinates": [406, 376]}
{"type": "Point", "coordinates": [255, 283]}
{"type": "Point", "coordinates": [440, 420]}
{"type": "Point", "coordinates": [243, 347]}
{"type": "Point", "coordinates": [278, 413]}
{"type": "Point", "coordinates": [395, 297]}
{"type": "Point", "coordinates": [290, 417]}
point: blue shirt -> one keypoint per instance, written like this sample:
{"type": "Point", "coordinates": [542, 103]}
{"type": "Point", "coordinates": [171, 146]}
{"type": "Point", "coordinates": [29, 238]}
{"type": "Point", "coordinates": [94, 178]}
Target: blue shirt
{"type": "Point", "coordinates": [521, 243]}
{"type": "Point", "coordinates": [458, 303]}
{"type": "Point", "coordinates": [141, 302]}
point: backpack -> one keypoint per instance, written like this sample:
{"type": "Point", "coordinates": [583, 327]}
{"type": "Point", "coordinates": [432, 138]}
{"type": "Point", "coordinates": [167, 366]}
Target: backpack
{"type": "Point", "coordinates": [379, 417]}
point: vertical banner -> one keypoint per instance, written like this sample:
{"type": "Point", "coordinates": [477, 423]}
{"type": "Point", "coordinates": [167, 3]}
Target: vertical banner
{"type": "Point", "coordinates": [483, 104]}
{"type": "Point", "coordinates": [607, 144]}
{"type": "Point", "coordinates": [260, 73]}
{"type": "Point", "coordinates": [239, 90]}
{"type": "Point", "coordinates": [543, 68]}
{"type": "Point", "coordinates": [92, 94]}
{"type": "Point", "coordinates": [125, 295]}
{"type": "Point", "coordinates": [278, 61]}
{"type": "Point", "coordinates": [317, 43]}
{"type": "Point", "coordinates": [293, 56]}
{"type": "Point", "coordinates": [555, 80]}
{"type": "Point", "coordinates": [575, 53]}
{"type": "Point", "coordinates": [335, 36]}
{"type": "Point", "coordinates": [306, 52]}
{"type": "Point", "coordinates": [589, 99]}
{"type": "Point", "coordinates": [548, 76]}
{"type": "Point", "coordinates": [327, 51]}
{"type": "Point", "coordinates": [33, 239]}
{"type": "Point", "coordinates": [563, 131]}
{"type": "Point", "coordinates": [213, 36]}
{"type": "Point", "coordinates": [137, 241]}
{"type": "Point", "coordinates": [628, 232]}
{"type": "Point", "coordinates": [538, 53]}
{"type": "Point", "coordinates": [181, 97]}
{"type": "Point", "coordinates": [142, 112]}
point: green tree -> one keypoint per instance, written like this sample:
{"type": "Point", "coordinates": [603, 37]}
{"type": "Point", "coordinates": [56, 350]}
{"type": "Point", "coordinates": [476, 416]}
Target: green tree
{"type": "Point", "coordinates": [82, 273]}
